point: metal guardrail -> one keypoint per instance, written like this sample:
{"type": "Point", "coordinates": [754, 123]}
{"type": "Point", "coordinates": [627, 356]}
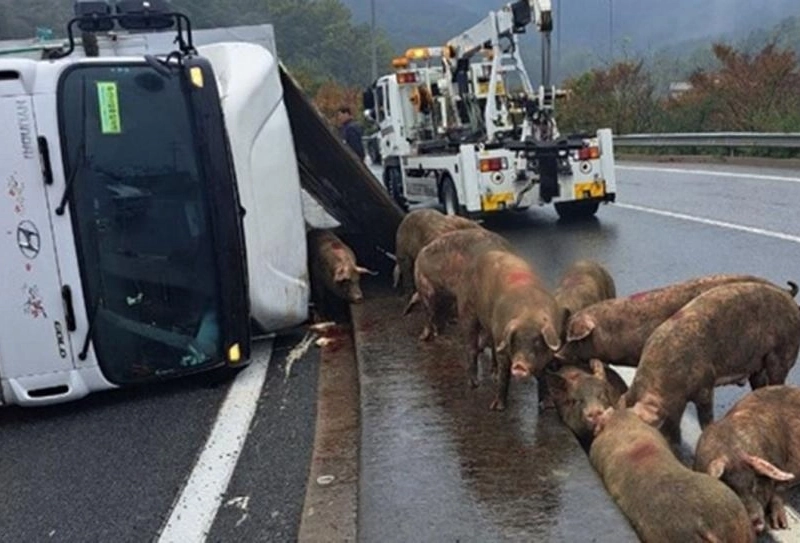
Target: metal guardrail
{"type": "Point", "coordinates": [789, 140]}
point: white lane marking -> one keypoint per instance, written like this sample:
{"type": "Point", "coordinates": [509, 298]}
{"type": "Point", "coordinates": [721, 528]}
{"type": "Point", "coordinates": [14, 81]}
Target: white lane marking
{"type": "Point", "coordinates": [713, 173]}
{"type": "Point", "coordinates": [690, 431]}
{"type": "Point", "coordinates": [193, 513]}
{"type": "Point", "coordinates": [712, 222]}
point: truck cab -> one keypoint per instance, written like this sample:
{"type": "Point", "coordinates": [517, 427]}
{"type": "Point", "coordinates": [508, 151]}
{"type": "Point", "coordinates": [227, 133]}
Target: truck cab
{"type": "Point", "coordinates": [151, 213]}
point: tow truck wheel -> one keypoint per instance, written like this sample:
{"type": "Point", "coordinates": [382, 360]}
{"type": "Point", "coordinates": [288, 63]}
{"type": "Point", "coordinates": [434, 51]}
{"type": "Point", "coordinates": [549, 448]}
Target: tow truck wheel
{"type": "Point", "coordinates": [449, 197]}
{"type": "Point", "coordinates": [394, 185]}
{"type": "Point", "coordinates": [577, 210]}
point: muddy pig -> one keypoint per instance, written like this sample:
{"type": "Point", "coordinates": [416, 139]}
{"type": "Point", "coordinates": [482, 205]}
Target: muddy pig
{"type": "Point", "coordinates": [418, 228]}
{"type": "Point", "coordinates": [665, 501]}
{"type": "Point", "coordinates": [615, 330]}
{"type": "Point", "coordinates": [333, 270]}
{"type": "Point", "coordinates": [755, 450]}
{"type": "Point", "coordinates": [584, 283]}
{"type": "Point", "coordinates": [440, 268]}
{"type": "Point", "coordinates": [726, 335]}
{"type": "Point", "coordinates": [581, 397]}
{"type": "Point", "coordinates": [505, 298]}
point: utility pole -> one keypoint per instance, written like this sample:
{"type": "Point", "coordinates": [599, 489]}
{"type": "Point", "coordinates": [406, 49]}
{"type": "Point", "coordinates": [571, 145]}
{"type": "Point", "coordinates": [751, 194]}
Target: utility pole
{"type": "Point", "coordinates": [611, 30]}
{"type": "Point", "coordinates": [558, 38]}
{"type": "Point", "coordinates": [374, 41]}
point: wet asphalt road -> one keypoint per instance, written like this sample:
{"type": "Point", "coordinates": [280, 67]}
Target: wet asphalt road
{"type": "Point", "coordinates": [432, 451]}
{"type": "Point", "coordinates": [108, 468]}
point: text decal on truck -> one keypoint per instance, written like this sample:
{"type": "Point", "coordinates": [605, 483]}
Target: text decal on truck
{"type": "Point", "coordinates": [25, 130]}
{"type": "Point", "coordinates": [109, 107]}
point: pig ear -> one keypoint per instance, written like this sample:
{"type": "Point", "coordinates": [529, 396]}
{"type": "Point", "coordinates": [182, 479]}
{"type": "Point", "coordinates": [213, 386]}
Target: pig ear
{"type": "Point", "coordinates": [362, 271]}
{"type": "Point", "coordinates": [339, 274]}
{"type": "Point", "coordinates": [580, 327]}
{"type": "Point", "coordinates": [598, 368]}
{"type": "Point", "coordinates": [649, 414]}
{"type": "Point", "coordinates": [551, 337]}
{"type": "Point", "coordinates": [767, 469]}
{"type": "Point", "coordinates": [717, 467]}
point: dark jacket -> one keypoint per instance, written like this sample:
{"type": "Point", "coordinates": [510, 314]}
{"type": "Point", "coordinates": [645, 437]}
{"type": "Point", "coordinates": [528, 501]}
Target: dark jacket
{"type": "Point", "coordinates": [351, 135]}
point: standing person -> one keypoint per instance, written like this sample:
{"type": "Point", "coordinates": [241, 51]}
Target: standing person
{"type": "Point", "coordinates": [350, 131]}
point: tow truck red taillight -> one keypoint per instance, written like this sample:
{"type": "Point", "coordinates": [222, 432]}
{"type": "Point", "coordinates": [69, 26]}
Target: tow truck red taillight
{"type": "Point", "coordinates": [406, 77]}
{"type": "Point", "coordinates": [588, 153]}
{"type": "Point", "coordinates": [493, 164]}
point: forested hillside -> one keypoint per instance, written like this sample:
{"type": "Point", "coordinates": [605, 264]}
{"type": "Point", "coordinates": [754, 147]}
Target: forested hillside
{"type": "Point", "coordinates": [316, 38]}
{"type": "Point", "coordinates": [741, 61]}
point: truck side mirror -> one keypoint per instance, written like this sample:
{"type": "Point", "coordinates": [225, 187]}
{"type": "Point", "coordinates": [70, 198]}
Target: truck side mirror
{"type": "Point", "coordinates": [368, 99]}
{"type": "Point", "coordinates": [93, 16]}
{"type": "Point", "coordinates": [144, 15]}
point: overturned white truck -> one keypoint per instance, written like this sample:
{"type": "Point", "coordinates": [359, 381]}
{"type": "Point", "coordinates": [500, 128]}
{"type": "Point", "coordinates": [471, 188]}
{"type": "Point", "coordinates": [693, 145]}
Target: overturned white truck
{"type": "Point", "coordinates": [151, 212]}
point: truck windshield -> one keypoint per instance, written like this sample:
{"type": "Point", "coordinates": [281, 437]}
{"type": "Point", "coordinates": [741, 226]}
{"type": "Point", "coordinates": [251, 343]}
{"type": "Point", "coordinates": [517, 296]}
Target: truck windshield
{"type": "Point", "coordinates": [139, 209]}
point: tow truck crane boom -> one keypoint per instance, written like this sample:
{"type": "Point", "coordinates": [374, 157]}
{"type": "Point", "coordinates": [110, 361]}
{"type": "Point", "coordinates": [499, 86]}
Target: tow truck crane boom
{"type": "Point", "coordinates": [497, 33]}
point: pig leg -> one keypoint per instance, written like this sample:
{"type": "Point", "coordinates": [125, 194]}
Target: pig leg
{"type": "Point", "coordinates": [545, 398]}
{"type": "Point", "coordinates": [704, 402]}
{"type": "Point", "coordinates": [672, 429]}
{"type": "Point", "coordinates": [503, 380]}
{"type": "Point", "coordinates": [441, 310]}
{"type": "Point", "coordinates": [777, 367]}
{"type": "Point", "coordinates": [429, 331]}
{"type": "Point", "coordinates": [428, 297]}
{"type": "Point", "coordinates": [406, 266]}
{"type": "Point", "coordinates": [758, 379]}
{"type": "Point", "coordinates": [472, 341]}
{"type": "Point", "coordinates": [483, 343]}
{"type": "Point", "coordinates": [777, 513]}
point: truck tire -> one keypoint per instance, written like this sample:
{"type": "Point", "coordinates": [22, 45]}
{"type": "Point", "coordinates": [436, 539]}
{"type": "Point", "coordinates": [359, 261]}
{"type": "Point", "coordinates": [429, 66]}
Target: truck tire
{"type": "Point", "coordinates": [573, 211]}
{"type": "Point", "coordinates": [392, 180]}
{"type": "Point", "coordinates": [449, 197]}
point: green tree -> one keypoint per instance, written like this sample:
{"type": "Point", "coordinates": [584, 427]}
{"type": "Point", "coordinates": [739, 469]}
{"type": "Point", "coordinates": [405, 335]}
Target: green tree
{"type": "Point", "coordinates": [757, 92]}
{"type": "Point", "coordinates": [620, 97]}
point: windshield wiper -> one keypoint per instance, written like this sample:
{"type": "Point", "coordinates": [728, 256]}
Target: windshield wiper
{"type": "Point", "coordinates": [80, 161]}
{"type": "Point", "coordinates": [92, 318]}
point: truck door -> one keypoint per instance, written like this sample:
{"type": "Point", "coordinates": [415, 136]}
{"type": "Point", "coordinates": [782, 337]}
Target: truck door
{"type": "Point", "coordinates": [33, 335]}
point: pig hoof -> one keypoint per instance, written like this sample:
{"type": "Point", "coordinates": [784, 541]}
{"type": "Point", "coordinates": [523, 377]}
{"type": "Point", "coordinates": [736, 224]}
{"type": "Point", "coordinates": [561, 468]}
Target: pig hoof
{"type": "Point", "coordinates": [428, 333]}
{"type": "Point", "coordinates": [497, 405]}
{"type": "Point", "coordinates": [777, 519]}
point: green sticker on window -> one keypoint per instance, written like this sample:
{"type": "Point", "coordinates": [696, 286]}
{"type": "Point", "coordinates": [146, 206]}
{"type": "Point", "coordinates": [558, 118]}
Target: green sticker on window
{"type": "Point", "coordinates": [110, 122]}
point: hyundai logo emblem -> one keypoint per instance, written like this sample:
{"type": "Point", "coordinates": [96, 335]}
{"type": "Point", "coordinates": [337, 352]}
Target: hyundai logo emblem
{"type": "Point", "coordinates": [28, 239]}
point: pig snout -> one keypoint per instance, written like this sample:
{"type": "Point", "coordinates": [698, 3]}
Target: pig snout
{"type": "Point", "coordinates": [592, 414]}
{"type": "Point", "coordinates": [520, 369]}
{"type": "Point", "coordinates": [356, 296]}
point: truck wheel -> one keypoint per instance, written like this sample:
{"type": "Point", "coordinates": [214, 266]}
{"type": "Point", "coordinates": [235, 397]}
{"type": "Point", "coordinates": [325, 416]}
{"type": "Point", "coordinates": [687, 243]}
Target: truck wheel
{"type": "Point", "coordinates": [449, 197]}
{"type": "Point", "coordinates": [392, 180]}
{"type": "Point", "coordinates": [576, 210]}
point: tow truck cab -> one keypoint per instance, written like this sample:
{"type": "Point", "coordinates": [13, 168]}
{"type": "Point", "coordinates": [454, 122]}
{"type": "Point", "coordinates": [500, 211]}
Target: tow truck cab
{"type": "Point", "coordinates": [121, 228]}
